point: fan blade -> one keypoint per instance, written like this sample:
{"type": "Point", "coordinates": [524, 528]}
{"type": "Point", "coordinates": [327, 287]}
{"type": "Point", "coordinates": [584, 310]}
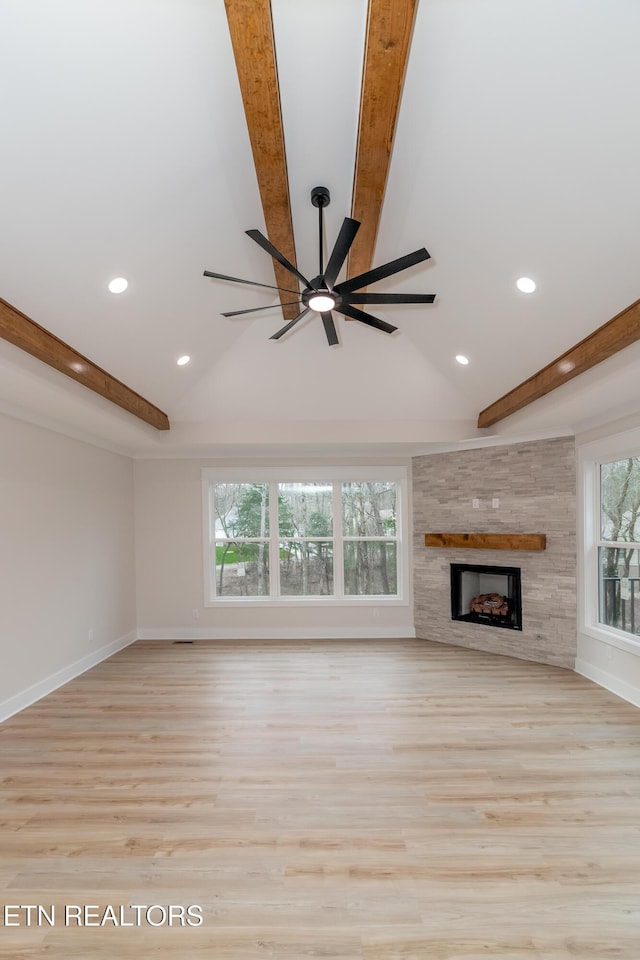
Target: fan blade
{"type": "Point", "coordinates": [330, 329]}
{"type": "Point", "coordinates": [267, 286]}
{"type": "Point", "coordinates": [339, 253]}
{"type": "Point", "coordinates": [356, 314]}
{"type": "Point", "coordinates": [262, 241]}
{"type": "Point", "coordinates": [272, 306]}
{"type": "Point", "coordinates": [288, 326]}
{"type": "Point", "coordinates": [386, 270]}
{"type": "Point", "coordinates": [389, 298]}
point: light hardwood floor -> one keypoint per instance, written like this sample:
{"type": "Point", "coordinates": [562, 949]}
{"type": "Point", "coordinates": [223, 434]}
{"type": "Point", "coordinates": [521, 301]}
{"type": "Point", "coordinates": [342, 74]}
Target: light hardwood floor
{"type": "Point", "coordinates": [383, 800]}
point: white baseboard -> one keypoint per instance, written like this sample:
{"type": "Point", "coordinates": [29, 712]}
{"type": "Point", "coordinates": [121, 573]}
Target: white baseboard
{"type": "Point", "coordinates": [272, 633]}
{"type": "Point", "coordinates": [621, 688]}
{"type": "Point", "coordinates": [24, 699]}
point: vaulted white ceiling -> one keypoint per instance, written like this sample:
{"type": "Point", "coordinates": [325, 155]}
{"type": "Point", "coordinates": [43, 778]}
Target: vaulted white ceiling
{"type": "Point", "coordinates": [125, 153]}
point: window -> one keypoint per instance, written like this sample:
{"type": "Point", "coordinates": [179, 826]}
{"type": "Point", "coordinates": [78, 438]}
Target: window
{"type": "Point", "coordinates": [240, 539]}
{"type": "Point", "coordinates": [619, 545]}
{"type": "Point", "coordinates": [370, 544]}
{"type": "Point", "coordinates": [307, 535]}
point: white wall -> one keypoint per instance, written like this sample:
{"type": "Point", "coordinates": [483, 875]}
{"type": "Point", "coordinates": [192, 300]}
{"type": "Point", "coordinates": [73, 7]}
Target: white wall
{"type": "Point", "coordinates": [67, 571]}
{"type": "Point", "coordinates": [610, 666]}
{"type": "Point", "coordinates": [68, 567]}
{"type": "Point", "coordinates": [606, 656]}
{"type": "Point", "coordinates": [169, 571]}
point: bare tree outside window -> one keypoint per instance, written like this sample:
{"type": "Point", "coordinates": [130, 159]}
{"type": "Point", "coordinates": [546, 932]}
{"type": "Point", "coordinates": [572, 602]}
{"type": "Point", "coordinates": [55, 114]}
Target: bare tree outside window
{"type": "Point", "coordinates": [369, 523]}
{"type": "Point", "coordinates": [241, 518]}
{"type": "Point", "coordinates": [620, 524]}
{"type": "Point", "coordinates": [305, 512]}
{"type": "Point", "coordinates": [301, 539]}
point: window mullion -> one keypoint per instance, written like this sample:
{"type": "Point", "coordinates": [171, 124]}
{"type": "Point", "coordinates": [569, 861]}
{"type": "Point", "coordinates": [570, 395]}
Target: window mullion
{"type": "Point", "coordinates": [401, 573]}
{"type": "Point", "coordinates": [338, 553]}
{"type": "Point", "coordinates": [274, 540]}
{"type": "Point", "coordinates": [212, 553]}
{"type": "Point", "coordinates": [619, 544]}
{"type": "Point", "coordinates": [594, 595]}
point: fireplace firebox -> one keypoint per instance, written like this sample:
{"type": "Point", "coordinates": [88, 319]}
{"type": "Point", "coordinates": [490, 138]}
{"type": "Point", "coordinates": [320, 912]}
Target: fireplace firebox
{"type": "Point", "coordinates": [488, 595]}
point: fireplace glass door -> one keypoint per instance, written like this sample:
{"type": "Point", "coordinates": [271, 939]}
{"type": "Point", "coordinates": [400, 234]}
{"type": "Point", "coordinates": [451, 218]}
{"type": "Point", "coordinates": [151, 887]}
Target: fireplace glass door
{"type": "Point", "coordinates": [486, 594]}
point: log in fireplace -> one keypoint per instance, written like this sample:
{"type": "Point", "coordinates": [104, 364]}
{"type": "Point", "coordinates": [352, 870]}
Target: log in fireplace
{"type": "Point", "coordinates": [486, 594]}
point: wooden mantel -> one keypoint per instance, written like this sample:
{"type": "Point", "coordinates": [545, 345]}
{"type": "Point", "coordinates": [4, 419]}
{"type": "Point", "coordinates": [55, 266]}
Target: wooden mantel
{"type": "Point", "coordinates": [487, 541]}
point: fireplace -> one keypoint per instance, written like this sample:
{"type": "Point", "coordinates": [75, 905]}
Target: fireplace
{"type": "Point", "coordinates": [488, 595]}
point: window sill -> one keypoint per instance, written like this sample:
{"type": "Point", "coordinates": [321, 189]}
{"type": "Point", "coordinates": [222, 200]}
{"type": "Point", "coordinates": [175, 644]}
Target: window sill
{"type": "Point", "coordinates": [614, 638]}
{"type": "Point", "coordinates": [307, 602]}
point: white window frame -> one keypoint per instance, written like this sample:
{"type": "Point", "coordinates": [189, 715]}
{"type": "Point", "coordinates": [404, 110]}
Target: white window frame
{"type": "Point", "coordinates": [396, 474]}
{"type": "Point", "coordinates": [590, 458]}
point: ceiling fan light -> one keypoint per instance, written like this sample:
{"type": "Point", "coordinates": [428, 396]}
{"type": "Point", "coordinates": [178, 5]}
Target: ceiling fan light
{"type": "Point", "coordinates": [321, 302]}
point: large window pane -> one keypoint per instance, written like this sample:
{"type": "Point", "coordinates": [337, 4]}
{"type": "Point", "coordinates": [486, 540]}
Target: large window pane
{"type": "Point", "coordinates": [620, 500]}
{"type": "Point", "coordinates": [620, 588]}
{"type": "Point", "coordinates": [308, 530]}
{"type": "Point", "coordinates": [369, 509]}
{"type": "Point", "coordinates": [305, 509]}
{"type": "Point", "coordinates": [306, 568]}
{"type": "Point", "coordinates": [370, 568]}
{"type": "Point", "coordinates": [242, 569]}
{"type": "Point", "coordinates": [241, 509]}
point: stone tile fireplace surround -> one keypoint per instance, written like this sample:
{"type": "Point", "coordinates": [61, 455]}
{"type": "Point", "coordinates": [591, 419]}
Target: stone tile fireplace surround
{"type": "Point", "coordinates": [535, 484]}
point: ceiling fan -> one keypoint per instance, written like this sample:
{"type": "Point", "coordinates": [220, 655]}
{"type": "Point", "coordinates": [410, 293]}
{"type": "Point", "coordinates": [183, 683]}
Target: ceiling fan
{"type": "Point", "coordinates": [322, 294]}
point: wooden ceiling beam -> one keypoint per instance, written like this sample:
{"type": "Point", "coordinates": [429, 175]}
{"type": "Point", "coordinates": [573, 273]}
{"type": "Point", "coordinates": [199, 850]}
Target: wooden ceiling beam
{"type": "Point", "coordinates": [619, 332]}
{"type": "Point", "coordinates": [251, 29]}
{"type": "Point", "coordinates": [18, 329]}
{"type": "Point", "coordinates": [388, 37]}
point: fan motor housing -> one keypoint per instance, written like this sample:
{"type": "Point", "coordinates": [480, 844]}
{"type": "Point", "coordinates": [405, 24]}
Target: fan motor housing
{"type": "Point", "coordinates": [318, 286]}
{"type": "Point", "coordinates": [320, 197]}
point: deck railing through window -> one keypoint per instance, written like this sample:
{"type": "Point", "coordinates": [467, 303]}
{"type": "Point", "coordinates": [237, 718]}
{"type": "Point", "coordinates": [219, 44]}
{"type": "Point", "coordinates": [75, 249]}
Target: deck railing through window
{"type": "Point", "coordinates": [620, 603]}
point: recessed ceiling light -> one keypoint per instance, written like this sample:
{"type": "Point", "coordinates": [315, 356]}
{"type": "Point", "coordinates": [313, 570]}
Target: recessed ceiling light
{"type": "Point", "coordinates": [462, 359]}
{"type": "Point", "coordinates": [182, 360]}
{"type": "Point", "coordinates": [526, 285]}
{"type": "Point", "coordinates": [118, 285]}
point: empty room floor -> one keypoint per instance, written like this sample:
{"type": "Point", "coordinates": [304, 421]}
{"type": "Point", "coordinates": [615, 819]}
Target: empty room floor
{"type": "Point", "coordinates": [354, 800]}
